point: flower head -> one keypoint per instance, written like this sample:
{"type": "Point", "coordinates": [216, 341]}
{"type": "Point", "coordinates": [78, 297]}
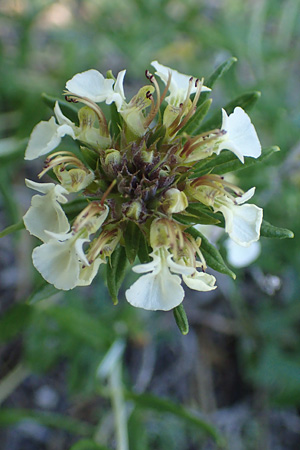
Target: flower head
{"type": "Point", "coordinates": [140, 180]}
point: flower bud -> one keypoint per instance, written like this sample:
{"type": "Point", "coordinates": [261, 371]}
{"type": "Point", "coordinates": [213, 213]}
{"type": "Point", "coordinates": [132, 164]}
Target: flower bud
{"type": "Point", "coordinates": [112, 157]}
{"type": "Point", "coordinates": [175, 201]}
{"type": "Point", "coordinates": [133, 210]}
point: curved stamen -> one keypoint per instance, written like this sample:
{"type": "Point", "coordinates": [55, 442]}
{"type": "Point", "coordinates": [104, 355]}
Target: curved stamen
{"type": "Point", "coordinates": [86, 101]}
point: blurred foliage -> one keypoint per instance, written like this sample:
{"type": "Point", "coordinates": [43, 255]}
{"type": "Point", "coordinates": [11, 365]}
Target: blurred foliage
{"type": "Point", "coordinates": [43, 43]}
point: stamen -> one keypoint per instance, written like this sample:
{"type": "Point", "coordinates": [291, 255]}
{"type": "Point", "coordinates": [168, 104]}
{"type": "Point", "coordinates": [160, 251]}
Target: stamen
{"type": "Point", "coordinates": [70, 97]}
{"type": "Point", "coordinates": [193, 107]}
{"type": "Point", "coordinates": [106, 193]}
{"type": "Point", "coordinates": [175, 124]}
{"type": "Point", "coordinates": [58, 158]}
{"type": "Point", "coordinates": [154, 107]}
{"type": "Point", "coordinates": [91, 210]}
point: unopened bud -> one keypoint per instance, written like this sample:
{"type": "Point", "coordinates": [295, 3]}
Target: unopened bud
{"type": "Point", "coordinates": [112, 157]}
{"type": "Point", "coordinates": [133, 210]}
{"type": "Point", "coordinates": [175, 201]}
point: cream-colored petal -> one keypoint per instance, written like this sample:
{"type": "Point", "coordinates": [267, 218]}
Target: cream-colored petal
{"type": "Point", "coordinates": [45, 213]}
{"type": "Point", "coordinates": [118, 95]}
{"type": "Point", "coordinates": [239, 256]}
{"type": "Point", "coordinates": [156, 291]}
{"type": "Point", "coordinates": [200, 281]}
{"type": "Point", "coordinates": [58, 263]}
{"type": "Point", "coordinates": [61, 118]}
{"type": "Point", "coordinates": [179, 84]}
{"type": "Point", "coordinates": [45, 188]}
{"type": "Point", "coordinates": [241, 137]}
{"type": "Point", "coordinates": [43, 139]}
{"type": "Point", "coordinates": [242, 223]}
{"type": "Point", "coordinates": [88, 273]}
{"type": "Point", "coordinates": [92, 85]}
{"type": "Point", "coordinates": [179, 268]}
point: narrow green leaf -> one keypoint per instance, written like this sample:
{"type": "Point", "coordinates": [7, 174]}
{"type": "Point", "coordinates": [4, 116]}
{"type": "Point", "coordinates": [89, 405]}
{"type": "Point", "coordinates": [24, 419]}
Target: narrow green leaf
{"type": "Point", "coordinates": [199, 216]}
{"type": "Point", "coordinates": [81, 325]}
{"type": "Point", "coordinates": [228, 162]}
{"type": "Point", "coordinates": [42, 292]}
{"type": "Point", "coordinates": [157, 137]}
{"type": "Point", "coordinates": [88, 444]}
{"type": "Point", "coordinates": [12, 228]}
{"type": "Point", "coordinates": [181, 319]}
{"type": "Point", "coordinates": [115, 121]}
{"type": "Point", "coordinates": [161, 405]}
{"type": "Point", "coordinates": [270, 231]}
{"type": "Point", "coordinates": [193, 125]}
{"type": "Point", "coordinates": [11, 149]}
{"type": "Point", "coordinates": [14, 321]}
{"type": "Point", "coordinates": [220, 71]}
{"type": "Point", "coordinates": [116, 270]}
{"type": "Point", "coordinates": [11, 416]}
{"type": "Point", "coordinates": [90, 157]}
{"type": "Point", "coordinates": [212, 256]}
{"type": "Point", "coordinates": [73, 208]}
{"type": "Point", "coordinates": [67, 108]}
{"type": "Point", "coordinates": [245, 101]}
{"type": "Point", "coordinates": [132, 237]}
{"type": "Point", "coordinates": [144, 251]}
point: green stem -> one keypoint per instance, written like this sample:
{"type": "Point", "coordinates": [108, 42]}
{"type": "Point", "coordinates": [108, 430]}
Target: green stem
{"type": "Point", "coordinates": [119, 407]}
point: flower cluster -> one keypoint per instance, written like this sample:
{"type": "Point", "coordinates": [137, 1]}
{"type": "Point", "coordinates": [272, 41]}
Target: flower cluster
{"type": "Point", "coordinates": [141, 184]}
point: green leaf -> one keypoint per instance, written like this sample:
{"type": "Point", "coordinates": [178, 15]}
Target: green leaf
{"type": "Point", "coordinates": [82, 325]}
{"type": "Point", "coordinates": [42, 292]}
{"type": "Point", "coordinates": [73, 208]}
{"type": "Point", "coordinates": [245, 101]}
{"type": "Point", "coordinates": [270, 231]}
{"type": "Point", "coordinates": [12, 228]}
{"type": "Point", "coordinates": [157, 137]}
{"type": "Point", "coordinates": [67, 108]}
{"type": "Point", "coordinates": [132, 237]}
{"type": "Point", "coordinates": [220, 71]}
{"type": "Point", "coordinates": [193, 125]}
{"type": "Point", "coordinates": [229, 162]}
{"type": "Point", "coordinates": [14, 321]}
{"type": "Point", "coordinates": [161, 405]}
{"type": "Point", "coordinates": [144, 251]}
{"type": "Point", "coordinates": [212, 256]}
{"type": "Point", "coordinates": [197, 215]}
{"type": "Point", "coordinates": [11, 149]}
{"type": "Point", "coordinates": [90, 157]}
{"type": "Point", "coordinates": [116, 270]}
{"type": "Point", "coordinates": [115, 121]}
{"type": "Point", "coordinates": [88, 444]}
{"type": "Point", "coordinates": [181, 319]}
{"type": "Point", "coordinates": [9, 416]}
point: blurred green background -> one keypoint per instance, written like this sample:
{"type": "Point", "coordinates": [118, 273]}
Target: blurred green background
{"type": "Point", "coordinates": [239, 367]}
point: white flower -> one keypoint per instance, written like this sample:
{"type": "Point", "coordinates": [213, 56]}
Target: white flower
{"type": "Point", "coordinates": [46, 136]}
{"type": "Point", "coordinates": [61, 259]}
{"type": "Point", "coordinates": [179, 84]}
{"type": "Point", "coordinates": [45, 212]}
{"type": "Point", "coordinates": [240, 137]}
{"type": "Point", "coordinates": [239, 256]}
{"type": "Point", "coordinates": [160, 289]}
{"type": "Point", "coordinates": [242, 222]}
{"type": "Point", "coordinates": [91, 84]}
